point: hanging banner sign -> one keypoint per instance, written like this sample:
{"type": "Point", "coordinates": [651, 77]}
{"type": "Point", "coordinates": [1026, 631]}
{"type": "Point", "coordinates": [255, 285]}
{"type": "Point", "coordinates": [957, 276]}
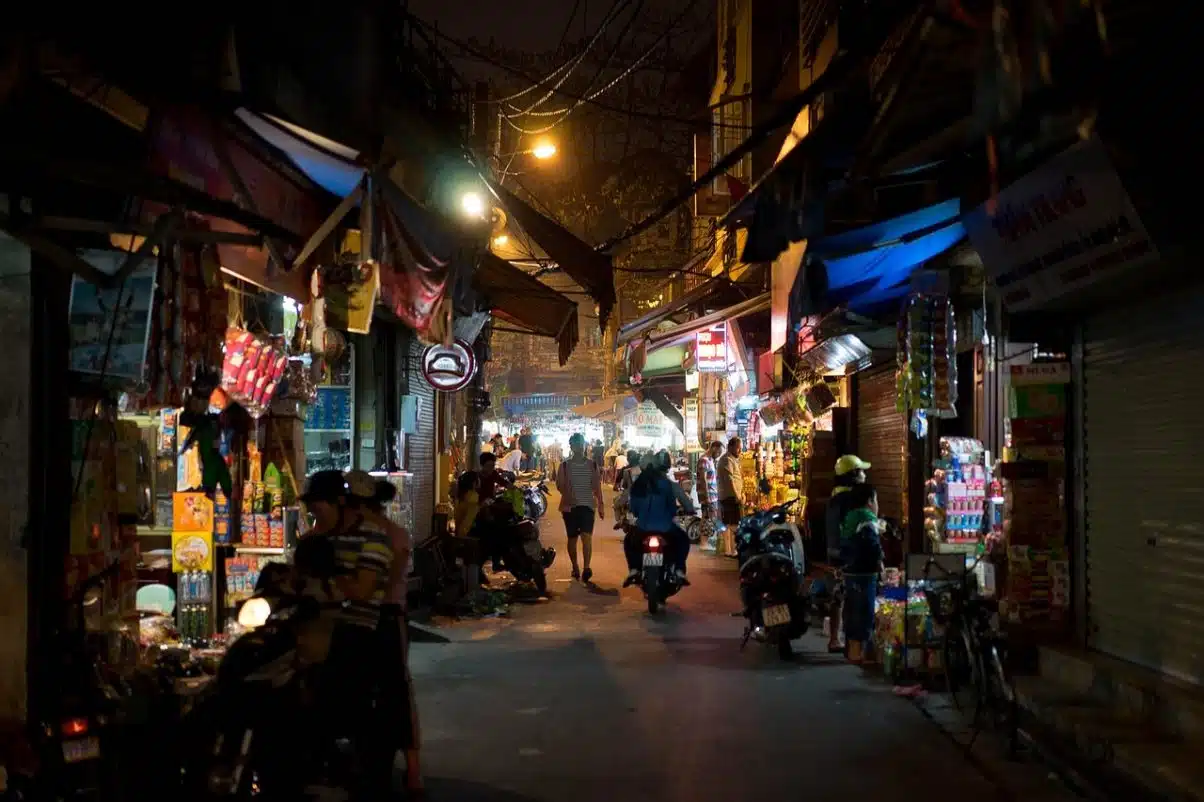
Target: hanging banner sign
{"type": "Point", "coordinates": [690, 415]}
{"type": "Point", "coordinates": [1066, 225]}
{"type": "Point", "coordinates": [649, 421]}
{"type": "Point", "coordinates": [449, 368]}
{"type": "Point", "coordinates": [710, 352]}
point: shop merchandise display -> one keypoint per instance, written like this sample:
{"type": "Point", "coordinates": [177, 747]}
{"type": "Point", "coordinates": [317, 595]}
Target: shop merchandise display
{"type": "Point", "coordinates": [1037, 591]}
{"type": "Point", "coordinates": [242, 572]}
{"type": "Point", "coordinates": [927, 356]}
{"type": "Point", "coordinates": [955, 505]}
{"type": "Point", "coordinates": [252, 369]}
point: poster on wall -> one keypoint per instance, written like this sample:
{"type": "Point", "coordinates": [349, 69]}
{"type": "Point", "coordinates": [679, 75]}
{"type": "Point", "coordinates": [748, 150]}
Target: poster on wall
{"type": "Point", "coordinates": [120, 314]}
{"type": "Point", "coordinates": [690, 416]}
{"type": "Point", "coordinates": [648, 420]}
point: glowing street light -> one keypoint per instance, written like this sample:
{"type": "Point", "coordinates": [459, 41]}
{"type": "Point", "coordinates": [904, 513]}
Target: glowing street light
{"type": "Point", "coordinates": [544, 150]}
{"type": "Point", "coordinates": [472, 204]}
{"type": "Point", "coordinates": [500, 240]}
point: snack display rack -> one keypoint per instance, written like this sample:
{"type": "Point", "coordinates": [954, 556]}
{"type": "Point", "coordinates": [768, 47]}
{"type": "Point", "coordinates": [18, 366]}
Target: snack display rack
{"type": "Point", "coordinates": [957, 494]}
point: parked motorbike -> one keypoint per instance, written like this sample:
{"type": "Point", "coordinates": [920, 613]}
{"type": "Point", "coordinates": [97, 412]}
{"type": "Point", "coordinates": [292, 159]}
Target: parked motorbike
{"type": "Point", "coordinates": [252, 732]}
{"type": "Point", "coordinates": [776, 609]}
{"type": "Point", "coordinates": [520, 550]}
{"type": "Point", "coordinates": [73, 743]}
{"type": "Point", "coordinates": [535, 493]}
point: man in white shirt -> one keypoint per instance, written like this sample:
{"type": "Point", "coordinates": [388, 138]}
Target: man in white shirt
{"type": "Point", "coordinates": [512, 461]}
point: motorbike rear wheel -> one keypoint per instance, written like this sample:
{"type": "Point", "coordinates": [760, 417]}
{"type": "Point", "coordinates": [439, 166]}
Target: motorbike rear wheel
{"type": "Point", "coordinates": [652, 589]}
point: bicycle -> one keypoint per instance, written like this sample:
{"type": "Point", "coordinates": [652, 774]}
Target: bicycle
{"type": "Point", "coordinates": [973, 650]}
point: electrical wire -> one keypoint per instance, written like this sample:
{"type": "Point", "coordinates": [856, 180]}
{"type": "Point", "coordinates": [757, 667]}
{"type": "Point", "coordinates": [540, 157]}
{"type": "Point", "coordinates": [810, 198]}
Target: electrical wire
{"type": "Point", "coordinates": [476, 53]}
{"type": "Point", "coordinates": [560, 46]}
{"type": "Point", "coordinates": [588, 97]}
{"type": "Point", "coordinates": [615, 10]}
{"type": "Point", "coordinates": [837, 73]}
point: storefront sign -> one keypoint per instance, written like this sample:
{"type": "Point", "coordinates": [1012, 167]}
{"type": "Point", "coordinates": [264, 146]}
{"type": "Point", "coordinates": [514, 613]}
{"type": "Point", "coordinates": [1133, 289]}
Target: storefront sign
{"type": "Point", "coordinates": [648, 420]}
{"type": "Point", "coordinates": [1062, 227]}
{"type": "Point", "coordinates": [711, 350]}
{"type": "Point", "coordinates": [449, 368]}
{"type": "Point", "coordinates": [690, 415]}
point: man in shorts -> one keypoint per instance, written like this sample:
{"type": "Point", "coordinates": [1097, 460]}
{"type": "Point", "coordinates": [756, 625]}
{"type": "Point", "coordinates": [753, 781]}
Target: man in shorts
{"type": "Point", "coordinates": [731, 493]}
{"type": "Point", "coordinates": [579, 481]}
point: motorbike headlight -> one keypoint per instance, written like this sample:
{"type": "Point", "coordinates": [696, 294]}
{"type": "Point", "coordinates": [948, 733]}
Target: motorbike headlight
{"type": "Point", "coordinates": [254, 612]}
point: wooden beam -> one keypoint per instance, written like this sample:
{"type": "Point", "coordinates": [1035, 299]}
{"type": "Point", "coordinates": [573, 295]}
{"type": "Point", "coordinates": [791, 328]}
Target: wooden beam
{"type": "Point", "coordinates": [329, 224]}
{"type": "Point", "coordinates": [130, 179]}
{"type": "Point", "coordinates": [56, 254]}
{"type": "Point", "coordinates": [164, 225]}
{"type": "Point", "coordinates": [143, 230]}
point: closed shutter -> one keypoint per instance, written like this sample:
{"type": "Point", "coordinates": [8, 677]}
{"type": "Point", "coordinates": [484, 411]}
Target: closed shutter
{"type": "Point", "coordinates": [420, 446]}
{"type": "Point", "coordinates": [1143, 392]}
{"type": "Point", "coordinates": [882, 439]}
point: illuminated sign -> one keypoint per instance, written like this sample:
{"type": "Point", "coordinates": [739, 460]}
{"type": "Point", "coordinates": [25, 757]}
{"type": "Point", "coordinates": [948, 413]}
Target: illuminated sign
{"type": "Point", "coordinates": [711, 350]}
{"type": "Point", "coordinates": [449, 368]}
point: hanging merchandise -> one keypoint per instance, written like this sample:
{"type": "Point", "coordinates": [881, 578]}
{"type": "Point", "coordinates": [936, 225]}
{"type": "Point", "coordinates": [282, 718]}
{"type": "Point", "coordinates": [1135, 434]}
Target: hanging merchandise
{"type": "Point", "coordinates": [345, 296]}
{"type": "Point", "coordinates": [927, 356]}
{"type": "Point", "coordinates": [252, 370]}
{"type": "Point", "coordinates": [956, 495]}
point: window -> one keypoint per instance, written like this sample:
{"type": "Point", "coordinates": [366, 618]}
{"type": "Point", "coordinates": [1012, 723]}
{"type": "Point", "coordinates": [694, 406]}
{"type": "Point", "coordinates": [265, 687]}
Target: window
{"type": "Point", "coordinates": [728, 131]}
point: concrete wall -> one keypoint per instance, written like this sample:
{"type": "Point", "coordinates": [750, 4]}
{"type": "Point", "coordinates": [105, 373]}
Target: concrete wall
{"type": "Point", "coordinates": [15, 332]}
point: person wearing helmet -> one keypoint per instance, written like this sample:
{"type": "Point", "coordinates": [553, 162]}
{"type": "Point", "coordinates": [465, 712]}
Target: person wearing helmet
{"type": "Point", "coordinates": [579, 481]}
{"type": "Point", "coordinates": [850, 471]}
{"type": "Point", "coordinates": [654, 502]}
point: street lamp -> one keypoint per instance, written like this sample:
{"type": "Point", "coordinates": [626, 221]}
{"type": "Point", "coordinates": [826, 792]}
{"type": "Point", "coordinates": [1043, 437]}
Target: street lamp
{"type": "Point", "coordinates": [500, 240]}
{"type": "Point", "coordinates": [472, 204]}
{"type": "Point", "coordinates": [544, 150]}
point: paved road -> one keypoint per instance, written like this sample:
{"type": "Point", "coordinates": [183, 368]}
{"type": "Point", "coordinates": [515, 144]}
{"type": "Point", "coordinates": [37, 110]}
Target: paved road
{"type": "Point", "coordinates": [587, 698]}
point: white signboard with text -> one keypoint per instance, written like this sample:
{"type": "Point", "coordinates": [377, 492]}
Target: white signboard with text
{"type": "Point", "coordinates": [1062, 227]}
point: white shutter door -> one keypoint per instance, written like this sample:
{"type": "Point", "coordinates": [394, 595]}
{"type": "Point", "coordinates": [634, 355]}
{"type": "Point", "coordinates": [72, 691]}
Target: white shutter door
{"type": "Point", "coordinates": [420, 446]}
{"type": "Point", "coordinates": [1143, 419]}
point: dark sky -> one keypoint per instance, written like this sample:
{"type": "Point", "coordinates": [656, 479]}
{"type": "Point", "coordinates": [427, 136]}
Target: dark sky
{"type": "Point", "coordinates": [526, 24]}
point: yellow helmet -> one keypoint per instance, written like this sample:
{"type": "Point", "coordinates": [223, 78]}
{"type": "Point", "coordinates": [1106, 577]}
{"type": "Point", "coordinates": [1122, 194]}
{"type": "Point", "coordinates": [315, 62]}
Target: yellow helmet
{"type": "Point", "coordinates": [849, 463]}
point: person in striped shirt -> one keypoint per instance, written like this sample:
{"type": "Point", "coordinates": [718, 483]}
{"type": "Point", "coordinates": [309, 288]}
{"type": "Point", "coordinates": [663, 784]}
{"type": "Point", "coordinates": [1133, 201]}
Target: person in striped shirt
{"type": "Point", "coordinates": [579, 481]}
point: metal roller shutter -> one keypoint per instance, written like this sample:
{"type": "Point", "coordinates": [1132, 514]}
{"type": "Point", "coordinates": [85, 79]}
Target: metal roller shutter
{"type": "Point", "coordinates": [420, 446]}
{"type": "Point", "coordinates": [1143, 386]}
{"type": "Point", "coordinates": [882, 439]}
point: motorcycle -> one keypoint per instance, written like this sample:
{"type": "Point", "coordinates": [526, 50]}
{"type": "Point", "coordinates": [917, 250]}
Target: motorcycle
{"type": "Point", "coordinates": [657, 578]}
{"type": "Point", "coordinates": [776, 608]}
{"type": "Point", "coordinates": [251, 733]}
{"type": "Point", "coordinates": [72, 743]}
{"type": "Point", "coordinates": [535, 493]}
{"type": "Point", "coordinates": [519, 549]}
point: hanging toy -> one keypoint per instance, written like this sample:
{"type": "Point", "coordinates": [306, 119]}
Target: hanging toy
{"type": "Point", "coordinates": [205, 432]}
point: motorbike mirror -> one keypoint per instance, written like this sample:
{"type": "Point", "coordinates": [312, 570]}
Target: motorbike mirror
{"type": "Point", "coordinates": [91, 597]}
{"type": "Point", "coordinates": [254, 612]}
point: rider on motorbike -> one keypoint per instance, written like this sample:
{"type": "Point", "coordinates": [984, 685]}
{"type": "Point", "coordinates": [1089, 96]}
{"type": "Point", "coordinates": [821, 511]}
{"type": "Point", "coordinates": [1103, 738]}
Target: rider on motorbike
{"type": "Point", "coordinates": [653, 502]}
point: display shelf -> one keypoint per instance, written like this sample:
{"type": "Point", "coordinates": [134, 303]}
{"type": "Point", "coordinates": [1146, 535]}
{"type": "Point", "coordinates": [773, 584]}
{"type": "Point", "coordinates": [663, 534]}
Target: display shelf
{"type": "Point", "coordinates": [328, 431]}
{"type": "Point", "coordinates": [258, 549]}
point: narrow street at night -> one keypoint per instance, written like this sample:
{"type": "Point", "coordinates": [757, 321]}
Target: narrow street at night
{"type": "Point", "coordinates": [587, 697]}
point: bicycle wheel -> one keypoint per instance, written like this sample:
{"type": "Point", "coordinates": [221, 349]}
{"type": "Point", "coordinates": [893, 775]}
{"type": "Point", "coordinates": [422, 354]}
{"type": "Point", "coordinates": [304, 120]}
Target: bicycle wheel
{"type": "Point", "coordinates": [963, 670]}
{"type": "Point", "coordinates": [1000, 697]}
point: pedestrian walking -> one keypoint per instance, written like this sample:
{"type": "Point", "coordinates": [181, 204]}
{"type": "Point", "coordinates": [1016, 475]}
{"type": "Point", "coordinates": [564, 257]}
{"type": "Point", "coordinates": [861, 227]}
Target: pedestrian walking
{"type": "Point", "coordinates": [579, 481]}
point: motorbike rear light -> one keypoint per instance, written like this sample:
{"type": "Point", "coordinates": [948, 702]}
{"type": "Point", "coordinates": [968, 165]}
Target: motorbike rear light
{"type": "Point", "coordinates": [654, 542]}
{"type": "Point", "coordinates": [75, 727]}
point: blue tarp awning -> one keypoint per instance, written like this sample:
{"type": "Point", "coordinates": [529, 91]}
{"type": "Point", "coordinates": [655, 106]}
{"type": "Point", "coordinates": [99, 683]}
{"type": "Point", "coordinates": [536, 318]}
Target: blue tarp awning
{"type": "Point", "coordinates": [328, 164]}
{"type": "Point", "coordinates": [873, 264]}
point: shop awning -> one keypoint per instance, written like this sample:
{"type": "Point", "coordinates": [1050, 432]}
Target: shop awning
{"type": "Point", "coordinates": [687, 330]}
{"type": "Point", "coordinates": [524, 300]}
{"type": "Point", "coordinates": [328, 164]}
{"type": "Point", "coordinates": [597, 409]}
{"type": "Point", "coordinates": [592, 270]}
{"type": "Point", "coordinates": [873, 264]}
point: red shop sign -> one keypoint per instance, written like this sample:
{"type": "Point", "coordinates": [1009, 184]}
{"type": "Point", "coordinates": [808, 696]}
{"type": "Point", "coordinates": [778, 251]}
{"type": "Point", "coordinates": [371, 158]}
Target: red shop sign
{"type": "Point", "coordinates": [711, 350]}
{"type": "Point", "coordinates": [182, 148]}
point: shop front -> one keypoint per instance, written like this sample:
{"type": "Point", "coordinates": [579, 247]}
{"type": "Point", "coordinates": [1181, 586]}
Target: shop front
{"type": "Point", "coordinates": [1119, 414]}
